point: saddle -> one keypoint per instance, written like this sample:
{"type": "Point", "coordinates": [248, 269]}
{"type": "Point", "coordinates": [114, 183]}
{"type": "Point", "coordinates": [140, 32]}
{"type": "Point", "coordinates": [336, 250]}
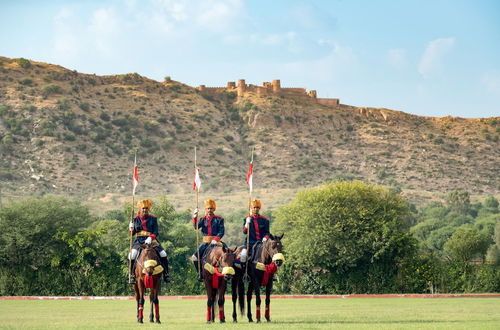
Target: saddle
{"type": "Point", "coordinates": [210, 248]}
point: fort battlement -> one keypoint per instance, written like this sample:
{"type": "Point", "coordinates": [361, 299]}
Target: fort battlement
{"type": "Point", "coordinates": [269, 88]}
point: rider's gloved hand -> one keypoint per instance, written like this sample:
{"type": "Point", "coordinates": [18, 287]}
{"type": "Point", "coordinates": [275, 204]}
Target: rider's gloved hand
{"type": "Point", "coordinates": [131, 226]}
{"type": "Point", "coordinates": [264, 239]}
{"type": "Point", "coordinates": [195, 212]}
{"type": "Point", "coordinates": [148, 240]}
{"type": "Point", "coordinates": [247, 222]}
{"type": "Point", "coordinates": [213, 242]}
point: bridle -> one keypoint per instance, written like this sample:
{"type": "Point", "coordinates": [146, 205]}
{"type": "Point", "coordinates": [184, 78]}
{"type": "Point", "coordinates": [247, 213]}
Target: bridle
{"type": "Point", "coordinates": [155, 258]}
{"type": "Point", "coordinates": [268, 251]}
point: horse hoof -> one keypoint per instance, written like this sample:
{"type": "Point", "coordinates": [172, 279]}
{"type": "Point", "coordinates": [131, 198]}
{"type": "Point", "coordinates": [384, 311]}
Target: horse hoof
{"type": "Point", "coordinates": [250, 320]}
{"type": "Point", "coordinates": [268, 319]}
{"type": "Point", "coordinates": [258, 320]}
{"type": "Point", "coordinates": [222, 321]}
{"type": "Point", "coordinates": [158, 321]}
{"type": "Point", "coordinates": [151, 320]}
{"type": "Point", "coordinates": [235, 321]}
{"type": "Point", "coordinates": [139, 321]}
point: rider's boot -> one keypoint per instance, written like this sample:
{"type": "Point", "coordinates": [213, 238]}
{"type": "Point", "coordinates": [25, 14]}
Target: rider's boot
{"type": "Point", "coordinates": [199, 278]}
{"type": "Point", "coordinates": [166, 275]}
{"type": "Point", "coordinates": [132, 279]}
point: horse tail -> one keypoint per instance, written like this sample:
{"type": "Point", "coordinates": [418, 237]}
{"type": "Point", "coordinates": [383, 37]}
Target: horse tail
{"type": "Point", "coordinates": [215, 306]}
{"type": "Point", "coordinates": [241, 295]}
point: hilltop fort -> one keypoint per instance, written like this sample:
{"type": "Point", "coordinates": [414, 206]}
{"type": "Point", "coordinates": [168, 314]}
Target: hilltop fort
{"type": "Point", "coordinates": [269, 88]}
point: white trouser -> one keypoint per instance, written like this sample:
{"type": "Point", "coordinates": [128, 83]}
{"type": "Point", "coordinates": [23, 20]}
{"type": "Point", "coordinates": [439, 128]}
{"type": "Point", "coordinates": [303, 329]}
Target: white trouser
{"type": "Point", "coordinates": [134, 252]}
{"type": "Point", "coordinates": [243, 255]}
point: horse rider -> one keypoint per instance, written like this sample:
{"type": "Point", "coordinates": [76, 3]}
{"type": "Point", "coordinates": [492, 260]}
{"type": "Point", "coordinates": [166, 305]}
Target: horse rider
{"type": "Point", "coordinates": [256, 226]}
{"type": "Point", "coordinates": [145, 228]}
{"type": "Point", "coordinates": [212, 228]}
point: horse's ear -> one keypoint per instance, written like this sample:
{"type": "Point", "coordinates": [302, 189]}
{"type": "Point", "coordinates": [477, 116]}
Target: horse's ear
{"type": "Point", "coordinates": [224, 249]}
{"type": "Point", "coordinates": [234, 250]}
{"type": "Point", "coordinates": [271, 236]}
{"type": "Point", "coordinates": [282, 236]}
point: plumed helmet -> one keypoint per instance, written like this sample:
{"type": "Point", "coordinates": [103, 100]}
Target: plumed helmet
{"type": "Point", "coordinates": [255, 202]}
{"type": "Point", "coordinates": [210, 203]}
{"type": "Point", "coordinates": [144, 203]}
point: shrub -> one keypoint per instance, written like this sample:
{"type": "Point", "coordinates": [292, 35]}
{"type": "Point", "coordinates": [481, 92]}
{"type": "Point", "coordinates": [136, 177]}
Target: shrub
{"type": "Point", "coordinates": [104, 116]}
{"type": "Point", "coordinates": [26, 81]}
{"type": "Point", "coordinates": [24, 63]}
{"type": "Point", "coordinates": [120, 122]}
{"type": "Point", "coordinates": [84, 106]}
{"type": "Point", "coordinates": [151, 125]}
{"type": "Point", "coordinates": [51, 89]}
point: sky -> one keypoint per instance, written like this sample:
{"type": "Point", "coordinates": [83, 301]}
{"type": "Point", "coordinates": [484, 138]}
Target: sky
{"type": "Point", "coordinates": [425, 57]}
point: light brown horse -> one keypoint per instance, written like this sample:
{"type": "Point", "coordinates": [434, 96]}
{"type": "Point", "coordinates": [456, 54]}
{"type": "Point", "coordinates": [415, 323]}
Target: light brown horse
{"type": "Point", "coordinates": [148, 271]}
{"type": "Point", "coordinates": [217, 270]}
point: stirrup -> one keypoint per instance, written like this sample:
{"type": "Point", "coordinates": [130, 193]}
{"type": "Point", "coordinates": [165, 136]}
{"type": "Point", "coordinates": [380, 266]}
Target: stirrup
{"type": "Point", "coordinates": [167, 278]}
{"type": "Point", "coordinates": [199, 278]}
{"type": "Point", "coordinates": [132, 280]}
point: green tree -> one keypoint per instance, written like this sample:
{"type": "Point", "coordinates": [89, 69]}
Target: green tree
{"type": "Point", "coordinates": [349, 236]}
{"type": "Point", "coordinates": [32, 250]}
{"type": "Point", "coordinates": [459, 201]}
{"type": "Point", "coordinates": [491, 202]}
{"type": "Point", "coordinates": [467, 243]}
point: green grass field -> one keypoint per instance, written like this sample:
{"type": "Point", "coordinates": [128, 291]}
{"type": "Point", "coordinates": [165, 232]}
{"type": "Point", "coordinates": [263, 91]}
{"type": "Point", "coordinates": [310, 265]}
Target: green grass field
{"type": "Point", "coordinates": [353, 313]}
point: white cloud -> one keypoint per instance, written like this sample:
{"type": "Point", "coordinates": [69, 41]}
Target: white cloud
{"type": "Point", "coordinates": [491, 80]}
{"type": "Point", "coordinates": [105, 26]}
{"type": "Point", "coordinates": [65, 42]}
{"type": "Point", "coordinates": [432, 59]}
{"type": "Point", "coordinates": [217, 15]}
{"type": "Point", "coordinates": [181, 16]}
{"type": "Point", "coordinates": [397, 58]}
{"type": "Point", "coordinates": [272, 39]}
{"type": "Point", "coordinates": [339, 64]}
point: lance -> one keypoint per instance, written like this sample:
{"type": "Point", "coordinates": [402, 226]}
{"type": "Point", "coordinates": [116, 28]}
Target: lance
{"type": "Point", "coordinates": [250, 186]}
{"type": "Point", "coordinates": [197, 189]}
{"type": "Point", "coordinates": [135, 178]}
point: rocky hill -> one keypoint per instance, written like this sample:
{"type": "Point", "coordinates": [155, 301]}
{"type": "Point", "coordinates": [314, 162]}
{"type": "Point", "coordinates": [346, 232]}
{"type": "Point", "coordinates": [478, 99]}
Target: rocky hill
{"type": "Point", "coordinates": [66, 132]}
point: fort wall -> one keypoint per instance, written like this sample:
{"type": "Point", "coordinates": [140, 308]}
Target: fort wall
{"type": "Point", "coordinates": [329, 102]}
{"type": "Point", "coordinates": [270, 88]}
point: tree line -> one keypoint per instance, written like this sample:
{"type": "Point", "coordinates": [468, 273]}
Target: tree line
{"type": "Point", "coordinates": [340, 238]}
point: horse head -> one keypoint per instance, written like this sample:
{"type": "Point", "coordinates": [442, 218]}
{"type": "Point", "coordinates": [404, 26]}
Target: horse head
{"type": "Point", "coordinates": [226, 261]}
{"type": "Point", "coordinates": [272, 250]}
{"type": "Point", "coordinates": [149, 261]}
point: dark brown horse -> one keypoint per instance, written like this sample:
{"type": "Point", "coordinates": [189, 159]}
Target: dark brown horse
{"type": "Point", "coordinates": [217, 270]}
{"type": "Point", "coordinates": [262, 265]}
{"type": "Point", "coordinates": [148, 271]}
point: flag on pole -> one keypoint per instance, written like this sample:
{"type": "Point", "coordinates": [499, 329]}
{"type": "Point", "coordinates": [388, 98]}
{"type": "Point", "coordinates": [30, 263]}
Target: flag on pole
{"type": "Point", "coordinates": [135, 176]}
{"type": "Point", "coordinates": [249, 176]}
{"type": "Point", "coordinates": [197, 180]}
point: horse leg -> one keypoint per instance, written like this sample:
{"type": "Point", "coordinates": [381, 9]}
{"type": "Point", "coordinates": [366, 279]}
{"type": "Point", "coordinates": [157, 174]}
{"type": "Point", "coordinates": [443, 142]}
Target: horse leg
{"type": "Point", "coordinates": [249, 301]}
{"type": "Point", "coordinates": [257, 299]}
{"type": "Point", "coordinates": [151, 305]}
{"type": "Point", "coordinates": [153, 302]}
{"type": "Point", "coordinates": [220, 301]}
{"type": "Point", "coordinates": [269, 289]}
{"type": "Point", "coordinates": [156, 302]}
{"type": "Point", "coordinates": [209, 289]}
{"type": "Point", "coordinates": [136, 294]}
{"type": "Point", "coordinates": [234, 296]}
{"type": "Point", "coordinates": [140, 306]}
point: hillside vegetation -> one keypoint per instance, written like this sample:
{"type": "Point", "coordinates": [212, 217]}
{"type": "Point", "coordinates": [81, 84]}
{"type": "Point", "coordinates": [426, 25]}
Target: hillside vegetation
{"type": "Point", "coordinates": [70, 133]}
